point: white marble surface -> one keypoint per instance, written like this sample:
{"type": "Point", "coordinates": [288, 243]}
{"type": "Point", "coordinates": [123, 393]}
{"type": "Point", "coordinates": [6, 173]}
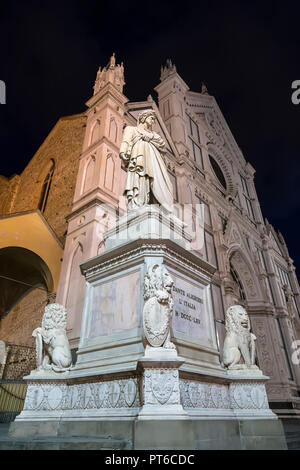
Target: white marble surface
{"type": "Point", "coordinates": [115, 305]}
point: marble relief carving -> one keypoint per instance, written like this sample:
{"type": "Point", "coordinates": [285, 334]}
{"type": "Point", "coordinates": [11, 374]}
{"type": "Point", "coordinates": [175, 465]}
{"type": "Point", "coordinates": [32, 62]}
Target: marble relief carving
{"type": "Point", "coordinates": [158, 308]}
{"type": "Point", "coordinates": [248, 396]}
{"type": "Point", "coordinates": [52, 395]}
{"type": "Point", "coordinates": [161, 387]}
{"type": "Point", "coordinates": [261, 329]}
{"type": "Point", "coordinates": [204, 395]}
{"type": "Point", "coordinates": [242, 396]}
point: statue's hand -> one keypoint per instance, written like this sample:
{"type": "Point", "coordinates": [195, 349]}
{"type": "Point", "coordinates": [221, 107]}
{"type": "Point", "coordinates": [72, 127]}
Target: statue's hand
{"type": "Point", "coordinates": [36, 332]}
{"type": "Point", "coordinates": [124, 157]}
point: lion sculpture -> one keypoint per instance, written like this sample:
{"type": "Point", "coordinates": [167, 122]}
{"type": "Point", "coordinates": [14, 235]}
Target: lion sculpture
{"type": "Point", "coordinates": [52, 345]}
{"type": "Point", "coordinates": [158, 308]}
{"type": "Point", "coordinates": [239, 344]}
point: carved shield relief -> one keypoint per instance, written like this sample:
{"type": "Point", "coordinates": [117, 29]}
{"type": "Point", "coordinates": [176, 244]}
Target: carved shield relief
{"type": "Point", "coordinates": [130, 392]}
{"type": "Point", "coordinates": [155, 320]}
{"type": "Point", "coordinates": [162, 385]}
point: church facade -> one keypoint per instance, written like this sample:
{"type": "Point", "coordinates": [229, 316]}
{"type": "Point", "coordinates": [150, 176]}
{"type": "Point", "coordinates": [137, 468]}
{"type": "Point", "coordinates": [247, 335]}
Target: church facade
{"type": "Point", "coordinates": [53, 215]}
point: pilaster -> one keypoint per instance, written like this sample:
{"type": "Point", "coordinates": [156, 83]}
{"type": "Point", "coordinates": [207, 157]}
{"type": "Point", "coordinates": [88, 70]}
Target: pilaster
{"type": "Point", "coordinates": [98, 192]}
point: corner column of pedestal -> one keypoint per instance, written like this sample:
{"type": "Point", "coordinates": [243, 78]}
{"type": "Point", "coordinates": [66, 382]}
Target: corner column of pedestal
{"type": "Point", "coordinates": [160, 385]}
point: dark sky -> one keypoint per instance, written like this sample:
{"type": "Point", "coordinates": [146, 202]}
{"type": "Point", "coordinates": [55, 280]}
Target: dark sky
{"type": "Point", "coordinates": [247, 53]}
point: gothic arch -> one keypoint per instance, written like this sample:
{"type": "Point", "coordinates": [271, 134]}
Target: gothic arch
{"type": "Point", "coordinates": [245, 272]}
{"type": "Point", "coordinates": [101, 247]}
{"type": "Point", "coordinates": [109, 171]}
{"type": "Point", "coordinates": [113, 130]}
{"type": "Point", "coordinates": [21, 271]}
{"type": "Point", "coordinates": [189, 194]}
{"type": "Point", "coordinates": [225, 167]}
{"type": "Point", "coordinates": [95, 132]}
{"type": "Point", "coordinates": [74, 296]}
{"type": "Point", "coordinates": [47, 170]}
{"type": "Point", "coordinates": [88, 173]}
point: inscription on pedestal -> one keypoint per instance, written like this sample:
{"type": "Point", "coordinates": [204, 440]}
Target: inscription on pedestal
{"type": "Point", "coordinates": [189, 308]}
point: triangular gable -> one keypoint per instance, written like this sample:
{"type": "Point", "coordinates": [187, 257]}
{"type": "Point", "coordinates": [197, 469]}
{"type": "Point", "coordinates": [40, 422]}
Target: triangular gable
{"type": "Point", "coordinates": [233, 235]}
{"type": "Point", "coordinates": [207, 110]}
{"type": "Point", "coordinates": [275, 242]}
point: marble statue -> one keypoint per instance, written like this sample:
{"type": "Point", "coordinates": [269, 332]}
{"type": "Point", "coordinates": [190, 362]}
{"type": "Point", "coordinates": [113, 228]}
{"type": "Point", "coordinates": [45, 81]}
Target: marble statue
{"type": "Point", "coordinates": [239, 344]}
{"type": "Point", "coordinates": [288, 300]}
{"type": "Point", "coordinates": [158, 308]}
{"type": "Point", "coordinates": [52, 345]}
{"type": "Point", "coordinates": [147, 178]}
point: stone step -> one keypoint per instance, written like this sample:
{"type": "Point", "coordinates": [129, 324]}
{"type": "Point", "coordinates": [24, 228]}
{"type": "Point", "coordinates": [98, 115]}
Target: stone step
{"type": "Point", "coordinates": [63, 444]}
{"type": "Point", "coordinates": [147, 435]}
{"type": "Point", "coordinates": [293, 443]}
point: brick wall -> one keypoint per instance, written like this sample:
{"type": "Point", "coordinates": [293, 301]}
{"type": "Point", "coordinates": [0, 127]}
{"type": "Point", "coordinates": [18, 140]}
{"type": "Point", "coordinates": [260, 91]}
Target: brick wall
{"type": "Point", "coordinates": [18, 325]}
{"type": "Point", "coordinates": [21, 193]}
{"type": "Point", "coordinates": [20, 361]}
{"type": "Point", "coordinates": [63, 145]}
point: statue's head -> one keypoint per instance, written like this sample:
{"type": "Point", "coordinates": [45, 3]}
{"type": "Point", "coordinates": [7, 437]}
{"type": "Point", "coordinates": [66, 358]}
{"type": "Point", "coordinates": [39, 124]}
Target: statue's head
{"type": "Point", "coordinates": [148, 115]}
{"type": "Point", "coordinates": [55, 317]}
{"type": "Point", "coordinates": [237, 319]}
{"type": "Point", "coordinates": [158, 283]}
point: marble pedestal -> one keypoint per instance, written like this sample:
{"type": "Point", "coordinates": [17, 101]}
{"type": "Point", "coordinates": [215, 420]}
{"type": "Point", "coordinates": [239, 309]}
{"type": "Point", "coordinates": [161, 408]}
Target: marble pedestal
{"type": "Point", "coordinates": [116, 377]}
{"type": "Point", "coordinates": [149, 222]}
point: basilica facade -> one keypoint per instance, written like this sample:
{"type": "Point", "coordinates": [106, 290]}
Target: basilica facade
{"type": "Point", "coordinates": [53, 215]}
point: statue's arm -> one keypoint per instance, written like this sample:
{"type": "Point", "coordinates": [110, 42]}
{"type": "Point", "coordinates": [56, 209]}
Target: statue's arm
{"type": "Point", "coordinates": [46, 336]}
{"type": "Point", "coordinates": [159, 143]}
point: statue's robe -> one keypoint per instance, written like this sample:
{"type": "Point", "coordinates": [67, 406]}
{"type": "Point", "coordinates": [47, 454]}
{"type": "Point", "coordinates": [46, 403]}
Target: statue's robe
{"type": "Point", "coordinates": [146, 169]}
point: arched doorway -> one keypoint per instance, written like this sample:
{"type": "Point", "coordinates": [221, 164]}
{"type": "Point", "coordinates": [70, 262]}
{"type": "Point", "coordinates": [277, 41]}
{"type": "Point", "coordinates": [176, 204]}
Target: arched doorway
{"type": "Point", "coordinates": [246, 285]}
{"type": "Point", "coordinates": [21, 271]}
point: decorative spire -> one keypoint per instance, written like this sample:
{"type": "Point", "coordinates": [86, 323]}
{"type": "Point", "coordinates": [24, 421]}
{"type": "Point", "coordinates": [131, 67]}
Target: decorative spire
{"type": "Point", "coordinates": [112, 62]}
{"type": "Point", "coordinates": [204, 90]}
{"type": "Point", "coordinates": [112, 73]}
{"type": "Point", "coordinates": [167, 70]}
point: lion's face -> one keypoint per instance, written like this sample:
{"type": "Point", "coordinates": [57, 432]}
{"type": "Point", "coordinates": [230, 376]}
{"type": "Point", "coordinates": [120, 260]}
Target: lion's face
{"type": "Point", "coordinates": [237, 318]}
{"type": "Point", "coordinates": [243, 319]}
{"type": "Point", "coordinates": [167, 281]}
{"type": "Point", "coordinates": [157, 280]}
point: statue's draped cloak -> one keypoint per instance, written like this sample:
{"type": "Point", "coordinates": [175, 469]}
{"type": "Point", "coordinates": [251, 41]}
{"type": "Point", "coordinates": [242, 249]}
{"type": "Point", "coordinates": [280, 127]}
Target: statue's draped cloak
{"type": "Point", "coordinates": [146, 168]}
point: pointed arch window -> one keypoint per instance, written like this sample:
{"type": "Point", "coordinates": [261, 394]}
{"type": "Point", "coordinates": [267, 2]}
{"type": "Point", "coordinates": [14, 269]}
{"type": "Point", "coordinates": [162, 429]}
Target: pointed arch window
{"type": "Point", "coordinates": [218, 172]}
{"type": "Point", "coordinates": [46, 188]}
{"type": "Point", "coordinates": [238, 283]}
{"type": "Point", "coordinates": [247, 198]}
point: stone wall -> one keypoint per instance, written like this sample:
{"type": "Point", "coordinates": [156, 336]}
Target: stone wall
{"type": "Point", "coordinates": [63, 145]}
{"type": "Point", "coordinates": [18, 325]}
{"type": "Point", "coordinates": [19, 361]}
{"type": "Point", "coordinates": [21, 193]}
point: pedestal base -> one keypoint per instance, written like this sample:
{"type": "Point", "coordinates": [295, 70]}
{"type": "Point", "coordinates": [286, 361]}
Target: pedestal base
{"type": "Point", "coordinates": [147, 435]}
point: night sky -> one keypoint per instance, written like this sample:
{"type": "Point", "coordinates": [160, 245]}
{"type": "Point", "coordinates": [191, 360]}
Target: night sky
{"type": "Point", "coordinates": [246, 52]}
